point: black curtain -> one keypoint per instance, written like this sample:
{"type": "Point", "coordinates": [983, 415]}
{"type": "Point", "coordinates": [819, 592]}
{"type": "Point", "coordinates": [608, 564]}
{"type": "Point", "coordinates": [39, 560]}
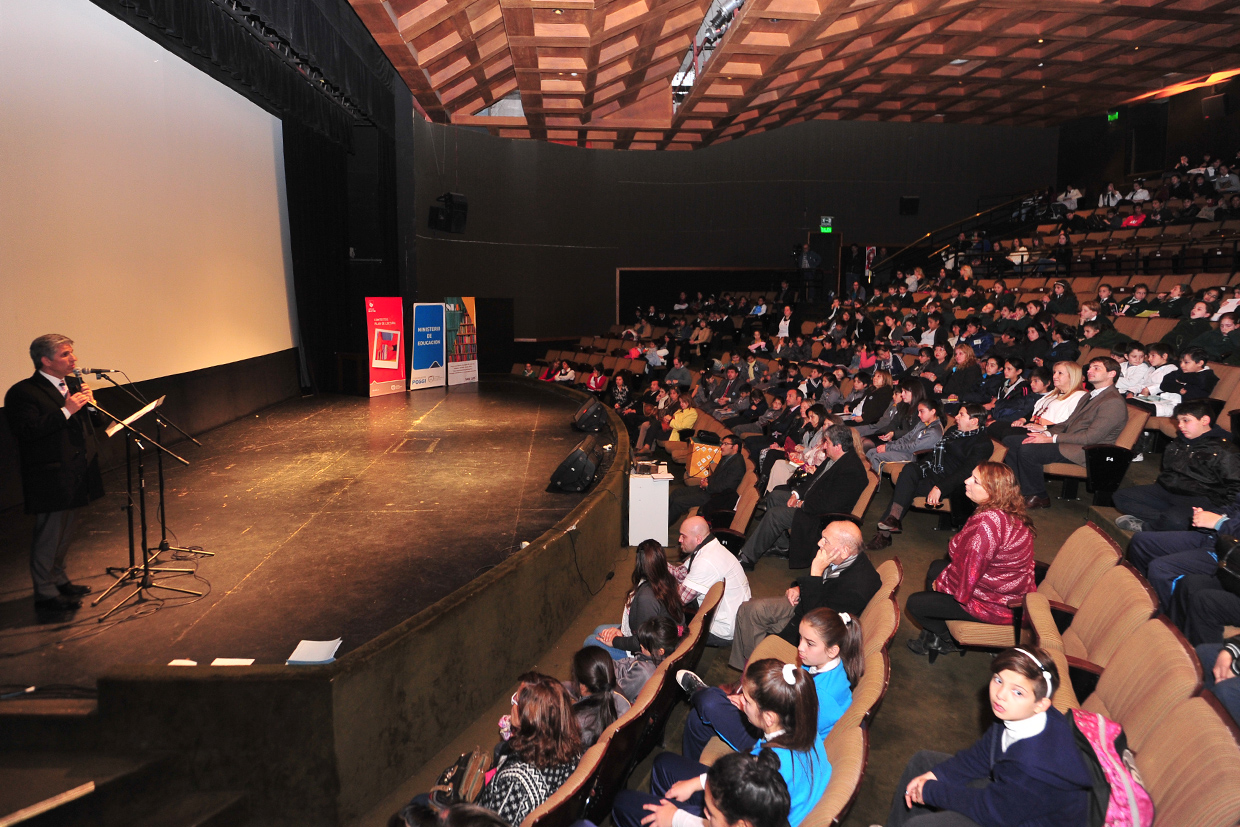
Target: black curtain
{"type": "Point", "coordinates": [316, 175]}
{"type": "Point", "coordinates": [206, 36]}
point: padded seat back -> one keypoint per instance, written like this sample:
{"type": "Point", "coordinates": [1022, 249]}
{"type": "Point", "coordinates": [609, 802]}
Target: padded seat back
{"type": "Point", "coordinates": [867, 494]}
{"type": "Point", "coordinates": [869, 691]}
{"type": "Point", "coordinates": [1152, 672]}
{"type": "Point", "coordinates": [891, 573]}
{"type": "Point", "coordinates": [622, 738]}
{"type": "Point", "coordinates": [1115, 607]}
{"type": "Point", "coordinates": [1084, 557]}
{"type": "Point", "coordinates": [847, 752]}
{"type": "Point", "coordinates": [1191, 766]}
{"type": "Point", "coordinates": [879, 623]}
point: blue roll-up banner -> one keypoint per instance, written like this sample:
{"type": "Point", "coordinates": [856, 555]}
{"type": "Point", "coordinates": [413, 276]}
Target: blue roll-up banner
{"type": "Point", "coordinates": [428, 366]}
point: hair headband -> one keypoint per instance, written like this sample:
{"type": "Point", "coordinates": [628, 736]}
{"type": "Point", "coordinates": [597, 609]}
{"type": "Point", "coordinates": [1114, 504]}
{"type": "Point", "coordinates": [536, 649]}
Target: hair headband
{"type": "Point", "coordinates": [790, 674]}
{"type": "Point", "coordinates": [1046, 676]}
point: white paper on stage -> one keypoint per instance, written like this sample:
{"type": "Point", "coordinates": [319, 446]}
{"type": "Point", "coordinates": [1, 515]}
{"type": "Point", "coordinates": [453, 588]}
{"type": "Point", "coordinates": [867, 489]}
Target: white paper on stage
{"type": "Point", "coordinates": [233, 662]}
{"type": "Point", "coordinates": [314, 652]}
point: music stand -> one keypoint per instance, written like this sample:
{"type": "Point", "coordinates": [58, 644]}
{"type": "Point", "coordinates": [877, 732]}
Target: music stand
{"type": "Point", "coordinates": [140, 442]}
{"type": "Point", "coordinates": [161, 421]}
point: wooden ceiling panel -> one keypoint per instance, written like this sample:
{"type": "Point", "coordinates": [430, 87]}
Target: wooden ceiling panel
{"type": "Point", "coordinates": [609, 63]}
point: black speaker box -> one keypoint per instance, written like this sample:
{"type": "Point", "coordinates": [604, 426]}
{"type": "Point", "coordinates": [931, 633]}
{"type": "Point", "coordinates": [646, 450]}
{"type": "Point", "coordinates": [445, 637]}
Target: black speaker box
{"type": "Point", "coordinates": [451, 216]}
{"type": "Point", "coordinates": [590, 417]}
{"type": "Point", "coordinates": [576, 473]}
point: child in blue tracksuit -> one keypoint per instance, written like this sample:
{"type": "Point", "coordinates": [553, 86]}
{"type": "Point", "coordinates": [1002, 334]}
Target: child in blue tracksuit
{"type": "Point", "coordinates": [830, 651]}
{"type": "Point", "coordinates": [779, 700]}
{"type": "Point", "coordinates": [1026, 770]}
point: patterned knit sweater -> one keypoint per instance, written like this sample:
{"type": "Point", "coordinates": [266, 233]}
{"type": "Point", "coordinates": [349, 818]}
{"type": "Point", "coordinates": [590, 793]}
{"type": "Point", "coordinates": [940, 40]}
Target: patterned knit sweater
{"type": "Point", "coordinates": [991, 563]}
{"type": "Point", "coordinates": [517, 788]}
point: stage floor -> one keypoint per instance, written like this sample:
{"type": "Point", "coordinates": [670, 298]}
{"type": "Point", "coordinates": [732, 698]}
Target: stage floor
{"type": "Point", "coordinates": [329, 517]}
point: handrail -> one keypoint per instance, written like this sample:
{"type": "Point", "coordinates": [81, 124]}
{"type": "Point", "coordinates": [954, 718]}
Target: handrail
{"type": "Point", "coordinates": [958, 221]}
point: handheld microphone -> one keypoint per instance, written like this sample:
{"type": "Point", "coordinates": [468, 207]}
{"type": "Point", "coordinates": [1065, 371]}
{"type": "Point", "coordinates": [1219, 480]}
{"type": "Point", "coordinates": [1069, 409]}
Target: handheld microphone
{"type": "Point", "coordinates": [77, 374]}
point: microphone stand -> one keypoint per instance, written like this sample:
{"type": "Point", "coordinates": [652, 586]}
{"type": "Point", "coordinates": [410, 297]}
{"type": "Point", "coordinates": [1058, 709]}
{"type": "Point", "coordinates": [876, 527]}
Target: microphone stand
{"type": "Point", "coordinates": [134, 570]}
{"type": "Point", "coordinates": [161, 421]}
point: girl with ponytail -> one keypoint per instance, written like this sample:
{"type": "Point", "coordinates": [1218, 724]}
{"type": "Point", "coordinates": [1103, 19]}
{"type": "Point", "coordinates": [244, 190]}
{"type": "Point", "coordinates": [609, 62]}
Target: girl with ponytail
{"type": "Point", "coordinates": [780, 701]}
{"type": "Point", "coordinates": [830, 652]}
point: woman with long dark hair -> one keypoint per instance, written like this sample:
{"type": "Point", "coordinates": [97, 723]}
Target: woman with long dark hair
{"type": "Point", "coordinates": [654, 593]}
{"type": "Point", "coordinates": [597, 700]}
{"type": "Point", "coordinates": [781, 702]}
{"type": "Point", "coordinates": [989, 563]}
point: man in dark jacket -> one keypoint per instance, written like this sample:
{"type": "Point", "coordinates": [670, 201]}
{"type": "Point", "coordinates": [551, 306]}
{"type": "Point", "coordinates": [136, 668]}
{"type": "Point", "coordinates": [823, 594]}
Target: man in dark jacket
{"type": "Point", "coordinates": [941, 473]}
{"type": "Point", "coordinates": [833, 488]}
{"type": "Point", "coordinates": [840, 577]}
{"type": "Point", "coordinates": [1099, 418]}
{"type": "Point", "coordinates": [726, 476]}
{"type": "Point", "coordinates": [1200, 469]}
{"type": "Point", "coordinates": [54, 429]}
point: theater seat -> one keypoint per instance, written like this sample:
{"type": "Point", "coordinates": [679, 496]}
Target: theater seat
{"type": "Point", "coordinates": [1152, 672]}
{"type": "Point", "coordinates": [1105, 465]}
{"type": "Point", "coordinates": [1191, 766]}
{"type": "Point", "coordinates": [869, 692]}
{"type": "Point", "coordinates": [847, 752]}
{"type": "Point", "coordinates": [567, 804]}
{"type": "Point", "coordinates": [1083, 558]}
{"type": "Point", "coordinates": [1115, 607]}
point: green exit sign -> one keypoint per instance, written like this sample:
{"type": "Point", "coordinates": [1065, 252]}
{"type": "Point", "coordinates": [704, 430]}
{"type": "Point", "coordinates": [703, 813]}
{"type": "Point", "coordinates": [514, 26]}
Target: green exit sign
{"type": "Point", "coordinates": [1112, 117]}
{"type": "Point", "coordinates": [826, 224]}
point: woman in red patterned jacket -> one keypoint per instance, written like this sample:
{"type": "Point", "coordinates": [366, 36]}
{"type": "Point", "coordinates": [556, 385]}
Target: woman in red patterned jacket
{"type": "Point", "coordinates": [990, 563]}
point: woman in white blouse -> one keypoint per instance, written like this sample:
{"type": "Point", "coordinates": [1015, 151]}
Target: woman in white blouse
{"type": "Point", "coordinates": [1059, 404]}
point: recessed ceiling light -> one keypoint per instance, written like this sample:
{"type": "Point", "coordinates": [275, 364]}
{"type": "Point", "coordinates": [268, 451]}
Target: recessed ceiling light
{"type": "Point", "coordinates": [1041, 64]}
{"type": "Point", "coordinates": [574, 74]}
{"type": "Point", "coordinates": [959, 61]}
{"type": "Point", "coordinates": [1040, 40]}
{"type": "Point", "coordinates": [559, 11]}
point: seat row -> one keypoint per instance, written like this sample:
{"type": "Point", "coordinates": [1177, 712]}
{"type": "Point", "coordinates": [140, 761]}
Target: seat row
{"type": "Point", "coordinates": [604, 769]}
{"type": "Point", "coordinates": [847, 744]}
{"type": "Point", "coordinates": [1097, 618]}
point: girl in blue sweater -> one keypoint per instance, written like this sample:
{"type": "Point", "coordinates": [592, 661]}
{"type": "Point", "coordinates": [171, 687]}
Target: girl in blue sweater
{"type": "Point", "coordinates": [830, 651]}
{"type": "Point", "coordinates": [1026, 770]}
{"type": "Point", "coordinates": [780, 701]}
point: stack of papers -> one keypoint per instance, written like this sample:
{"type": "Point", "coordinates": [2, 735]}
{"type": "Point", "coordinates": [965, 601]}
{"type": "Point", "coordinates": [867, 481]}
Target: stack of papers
{"type": "Point", "coordinates": [314, 652]}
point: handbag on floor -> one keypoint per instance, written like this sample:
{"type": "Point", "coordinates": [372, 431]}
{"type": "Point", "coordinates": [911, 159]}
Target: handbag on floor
{"type": "Point", "coordinates": [461, 782]}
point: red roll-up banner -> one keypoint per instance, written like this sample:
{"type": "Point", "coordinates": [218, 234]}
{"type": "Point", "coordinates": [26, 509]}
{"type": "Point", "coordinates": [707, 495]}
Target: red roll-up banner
{"type": "Point", "coordinates": [385, 331]}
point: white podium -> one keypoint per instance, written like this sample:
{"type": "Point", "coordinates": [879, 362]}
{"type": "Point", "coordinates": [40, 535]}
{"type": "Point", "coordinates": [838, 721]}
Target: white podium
{"type": "Point", "coordinates": [647, 509]}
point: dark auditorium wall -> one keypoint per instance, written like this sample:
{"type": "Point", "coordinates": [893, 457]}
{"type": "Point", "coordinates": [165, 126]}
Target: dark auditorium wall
{"type": "Point", "coordinates": [548, 224]}
{"type": "Point", "coordinates": [1147, 138]}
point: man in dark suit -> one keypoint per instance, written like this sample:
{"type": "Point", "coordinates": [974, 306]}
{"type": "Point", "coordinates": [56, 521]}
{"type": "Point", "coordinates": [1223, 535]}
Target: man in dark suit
{"type": "Point", "coordinates": [724, 479]}
{"type": "Point", "coordinates": [840, 577]}
{"type": "Point", "coordinates": [55, 438]}
{"type": "Point", "coordinates": [833, 488]}
{"type": "Point", "coordinates": [1099, 418]}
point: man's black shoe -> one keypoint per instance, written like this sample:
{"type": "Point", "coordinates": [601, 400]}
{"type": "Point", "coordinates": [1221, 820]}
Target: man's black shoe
{"type": "Point", "coordinates": [73, 589]}
{"type": "Point", "coordinates": [56, 605]}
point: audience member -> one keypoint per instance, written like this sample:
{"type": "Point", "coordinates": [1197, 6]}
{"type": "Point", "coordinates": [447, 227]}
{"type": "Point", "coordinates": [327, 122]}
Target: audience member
{"type": "Point", "coordinates": [940, 474]}
{"type": "Point", "coordinates": [1027, 769]}
{"type": "Point", "coordinates": [780, 701]}
{"type": "Point", "coordinates": [1200, 469]}
{"type": "Point", "coordinates": [721, 481]}
{"type": "Point", "coordinates": [597, 701]}
{"type": "Point", "coordinates": [653, 593]}
{"type": "Point", "coordinates": [990, 563]}
{"type": "Point", "coordinates": [829, 650]}
{"type": "Point", "coordinates": [841, 577]}
{"type": "Point", "coordinates": [706, 564]}
{"type": "Point", "coordinates": [921, 437]}
{"type": "Point", "coordinates": [1098, 419]}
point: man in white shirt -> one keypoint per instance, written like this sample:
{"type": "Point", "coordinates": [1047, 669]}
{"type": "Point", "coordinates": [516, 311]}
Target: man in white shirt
{"type": "Point", "coordinates": [1139, 193]}
{"type": "Point", "coordinates": [708, 563]}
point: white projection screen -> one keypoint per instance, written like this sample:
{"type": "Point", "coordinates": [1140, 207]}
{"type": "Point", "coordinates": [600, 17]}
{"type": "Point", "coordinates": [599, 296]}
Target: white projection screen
{"type": "Point", "coordinates": [142, 204]}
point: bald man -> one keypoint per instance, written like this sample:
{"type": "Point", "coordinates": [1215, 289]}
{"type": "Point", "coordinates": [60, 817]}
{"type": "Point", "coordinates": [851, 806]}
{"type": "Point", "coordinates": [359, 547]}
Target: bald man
{"type": "Point", "coordinates": [840, 577]}
{"type": "Point", "coordinates": [706, 564]}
